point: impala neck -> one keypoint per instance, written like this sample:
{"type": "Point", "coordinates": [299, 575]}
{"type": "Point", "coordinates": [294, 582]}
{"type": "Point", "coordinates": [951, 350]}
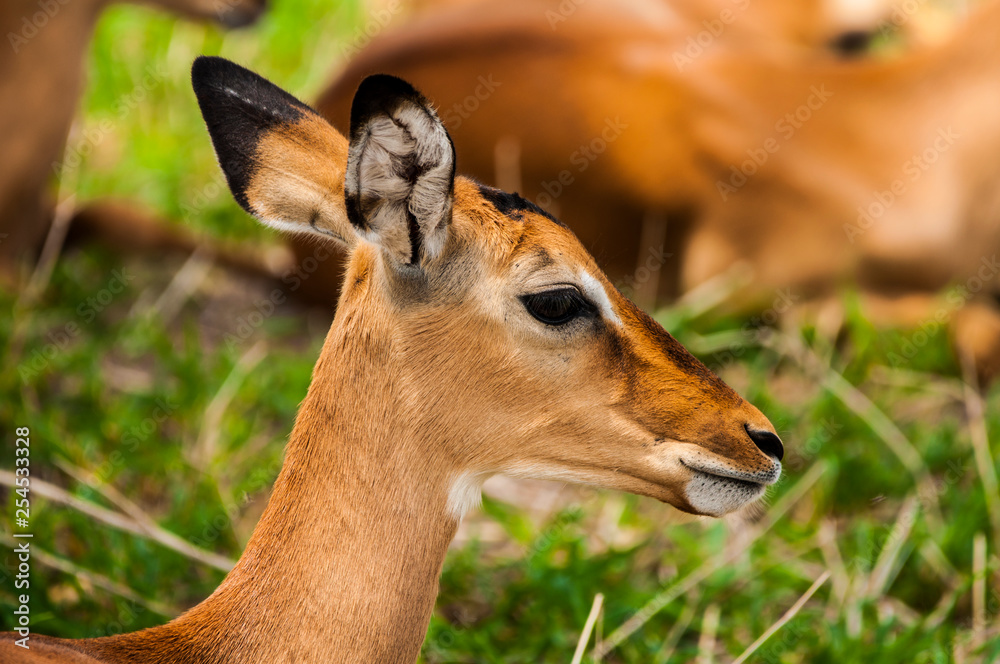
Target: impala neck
{"type": "Point", "coordinates": [344, 563]}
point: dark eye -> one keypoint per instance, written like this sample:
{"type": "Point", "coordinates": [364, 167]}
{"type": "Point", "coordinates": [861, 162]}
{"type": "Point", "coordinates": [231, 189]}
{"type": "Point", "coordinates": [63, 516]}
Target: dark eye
{"type": "Point", "coordinates": [556, 307]}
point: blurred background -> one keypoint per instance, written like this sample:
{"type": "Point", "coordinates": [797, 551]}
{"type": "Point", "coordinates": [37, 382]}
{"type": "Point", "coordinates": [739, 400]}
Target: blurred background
{"type": "Point", "coordinates": [805, 196]}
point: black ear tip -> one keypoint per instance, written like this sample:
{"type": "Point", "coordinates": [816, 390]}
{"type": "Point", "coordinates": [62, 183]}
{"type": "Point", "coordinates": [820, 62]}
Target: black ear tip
{"type": "Point", "coordinates": [207, 69]}
{"type": "Point", "coordinates": [385, 85]}
{"type": "Point", "coordinates": [210, 72]}
{"type": "Point", "coordinates": [221, 83]}
{"type": "Point", "coordinates": [381, 93]}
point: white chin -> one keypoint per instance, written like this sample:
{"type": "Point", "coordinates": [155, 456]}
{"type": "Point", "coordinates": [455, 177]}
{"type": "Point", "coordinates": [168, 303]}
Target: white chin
{"type": "Point", "coordinates": [716, 496]}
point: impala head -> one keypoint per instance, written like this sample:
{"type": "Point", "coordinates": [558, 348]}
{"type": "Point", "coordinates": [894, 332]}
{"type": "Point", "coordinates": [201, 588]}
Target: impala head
{"type": "Point", "coordinates": [511, 350]}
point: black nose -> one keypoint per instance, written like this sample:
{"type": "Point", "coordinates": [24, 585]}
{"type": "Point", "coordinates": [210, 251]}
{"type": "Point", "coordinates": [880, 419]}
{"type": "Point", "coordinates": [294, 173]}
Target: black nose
{"type": "Point", "coordinates": [766, 442]}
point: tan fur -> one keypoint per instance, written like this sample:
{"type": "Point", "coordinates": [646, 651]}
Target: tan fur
{"type": "Point", "coordinates": [684, 126]}
{"type": "Point", "coordinates": [41, 79]}
{"type": "Point", "coordinates": [810, 25]}
{"type": "Point", "coordinates": [307, 160]}
{"type": "Point", "coordinates": [423, 382]}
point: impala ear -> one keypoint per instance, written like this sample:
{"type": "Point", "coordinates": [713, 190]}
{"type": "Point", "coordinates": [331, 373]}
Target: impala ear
{"type": "Point", "coordinates": [400, 170]}
{"type": "Point", "coordinates": [283, 162]}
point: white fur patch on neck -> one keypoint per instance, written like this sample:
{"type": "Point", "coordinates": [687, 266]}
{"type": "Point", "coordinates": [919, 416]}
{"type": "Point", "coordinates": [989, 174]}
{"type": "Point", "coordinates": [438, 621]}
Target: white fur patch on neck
{"type": "Point", "coordinates": [593, 289]}
{"type": "Point", "coordinates": [465, 494]}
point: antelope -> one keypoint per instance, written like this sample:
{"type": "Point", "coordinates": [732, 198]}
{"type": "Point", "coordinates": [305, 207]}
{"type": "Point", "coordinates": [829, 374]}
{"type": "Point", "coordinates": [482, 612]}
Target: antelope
{"type": "Point", "coordinates": [474, 335]}
{"type": "Point", "coordinates": [41, 80]}
{"type": "Point", "coordinates": [812, 26]}
{"type": "Point", "coordinates": [818, 173]}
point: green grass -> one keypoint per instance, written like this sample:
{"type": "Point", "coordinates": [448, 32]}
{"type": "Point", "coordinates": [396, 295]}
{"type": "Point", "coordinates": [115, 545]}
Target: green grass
{"type": "Point", "coordinates": [127, 397]}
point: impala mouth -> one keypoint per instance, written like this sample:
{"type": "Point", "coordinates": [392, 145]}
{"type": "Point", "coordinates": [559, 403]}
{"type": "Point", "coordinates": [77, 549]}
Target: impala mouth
{"type": "Point", "coordinates": [716, 489]}
{"type": "Point", "coordinates": [760, 478]}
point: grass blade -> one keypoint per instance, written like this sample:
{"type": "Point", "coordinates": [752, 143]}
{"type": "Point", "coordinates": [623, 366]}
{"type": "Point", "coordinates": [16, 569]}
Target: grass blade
{"type": "Point", "coordinates": [788, 615]}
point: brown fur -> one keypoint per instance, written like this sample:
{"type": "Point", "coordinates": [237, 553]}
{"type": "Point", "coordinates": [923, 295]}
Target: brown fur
{"type": "Point", "coordinates": [426, 378]}
{"type": "Point", "coordinates": [41, 81]}
{"type": "Point", "coordinates": [685, 130]}
{"type": "Point", "coordinates": [812, 26]}
{"type": "Point", "coordinates": [448, 46]}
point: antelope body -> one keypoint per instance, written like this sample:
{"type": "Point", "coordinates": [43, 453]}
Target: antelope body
{"type": "Point", "coordinates": [818, 173]}
{"type": "Point", "coordinates": [41, 80]}
{"type": "Point", "coordinates": [474, 335]}
{"type": "Point", "coordinates": [811, 26]}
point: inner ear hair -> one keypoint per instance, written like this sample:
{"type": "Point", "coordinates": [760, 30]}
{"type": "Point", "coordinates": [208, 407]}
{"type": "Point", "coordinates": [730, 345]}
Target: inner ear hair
{"type": "Point", "coordinates": [401, 170]}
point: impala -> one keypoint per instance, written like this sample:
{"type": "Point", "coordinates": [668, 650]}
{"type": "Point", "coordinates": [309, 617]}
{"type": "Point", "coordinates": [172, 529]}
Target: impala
{"type": "Point", "coordinates": [815, 172]}
{"type": "Point", "coordinates": [811, 26]}
{"type": "Point", "coordinates": [474, 336]}
{"type": "Point", "coordinates": [41, 79]}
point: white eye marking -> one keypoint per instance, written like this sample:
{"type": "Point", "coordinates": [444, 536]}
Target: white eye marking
{"type": "Point", "coordinates": [593, 289]}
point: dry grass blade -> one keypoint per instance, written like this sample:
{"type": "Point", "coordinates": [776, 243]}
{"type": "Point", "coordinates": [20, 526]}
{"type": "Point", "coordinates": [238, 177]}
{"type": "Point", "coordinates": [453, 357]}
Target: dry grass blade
{"type": "Point", "coordinates": [979, 575]}
{"type": "Point", "coordinates": [788, 615]}
{"type": "Point", "coordinates": [185, 282]}
{"type": "Point", "coordinates": [948, 388]}
{"type": "Point", "coordinates": [42, 274]}
{"type": "Point", "coordinates": [92, 578]}
{"type": "Point", "coordinates": [205, 449]}
{"type": "Point", "coordinates": [112, 494]}
{"type": "Point", "coordinates": [944, 608]}
{"type": "Point", "coordinates": [934, 556]}
{"type": "Point", "coordinates": [50, 250]}
{"type": "Point", "coordinates": [881, 575]}
{"type": "Point", "coordinates": [826, 538]}
{"type": "Point", "coordinates": [678, 629]}
{"type": "Point", "coordinates": [981, 447]}
{"type": "Point", "coordinates": [56, 237]}
{"type": "Point", "coordinates": [125, 523]}
{"type": "Point", "coordinates": [713, 292]}
{"type": "Point", "coordinates": [865, 408]}
{"type": "Point", "coordinates": [588, 628]}
{"type": "Point", "coordinates": [667, 595]}
{"type": "Point", "coordinates": [706, 641]}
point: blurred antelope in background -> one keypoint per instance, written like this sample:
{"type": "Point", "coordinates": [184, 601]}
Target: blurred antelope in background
{"type": "Point", "coordinates": [41, 80]}
{"type": "Point", "coordinates": [474, 336]}
{"type": "Point", "coordinates": [811, 27]}
{"type": "Point", "coordinates": [843, 27]}
{"type": "Point", "coordinates": [818, 173]}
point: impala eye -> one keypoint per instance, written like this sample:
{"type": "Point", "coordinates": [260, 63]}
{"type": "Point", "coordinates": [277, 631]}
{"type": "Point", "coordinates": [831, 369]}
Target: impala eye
{"type": "Point", "coordinates": [556, 307]}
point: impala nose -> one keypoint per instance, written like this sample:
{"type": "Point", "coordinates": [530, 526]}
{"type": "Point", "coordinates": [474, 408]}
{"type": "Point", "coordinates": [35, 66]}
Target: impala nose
{"type": "Point", "coordinates": [766, 442]}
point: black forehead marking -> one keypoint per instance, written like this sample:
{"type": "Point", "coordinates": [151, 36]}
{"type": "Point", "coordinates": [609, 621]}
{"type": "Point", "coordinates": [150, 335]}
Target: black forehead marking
{"type": "Point", "coordinates": [542, 258]}
{"type": "Point", "coordinates": [513, 205]}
